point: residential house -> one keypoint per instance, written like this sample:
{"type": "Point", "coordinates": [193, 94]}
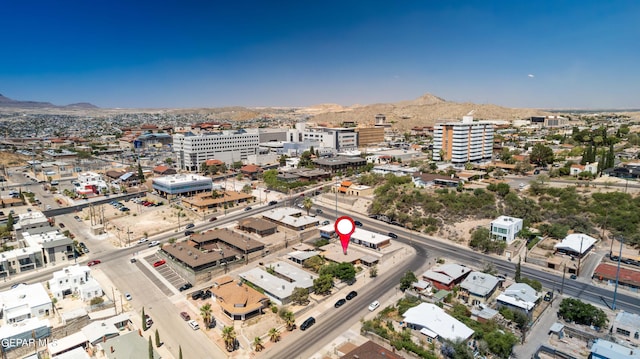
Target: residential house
{"type": "Point", "coordinates": [251, 171]}
{"type": "Point", "coordinates": [446, 276]}
{"type": "Point", "coordinates": [519, 297]}
{"type": "Point", "coordinates": [478, 288]}
{"type": "Point", "coordinates": [423, 180]}
{"type": "Point", "coordinates": [604, 349]}
{"type": "Point", "coordinates": [505, 228]}
{"type": "Point", "coordinates": [371, 350]}
{"type": "Point", "coordinates": [576, 168]}
{"type": "Point", "coordinates": [576, 245]}
{"type": "Point", "coordinates": [627, 326]}
{"type": "Point", "coordinates": [163, 170]}
{"type": "Point", "coordinates": [74, 280]}
{"type": "Point", "coordinates": [25, 301]}
{"type": "Point", "coordinates": [436, 324]}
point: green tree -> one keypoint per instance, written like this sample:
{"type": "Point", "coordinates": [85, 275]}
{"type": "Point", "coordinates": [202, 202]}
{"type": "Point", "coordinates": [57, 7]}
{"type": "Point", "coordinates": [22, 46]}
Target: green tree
{"type": "Point", "coordinates": [289, 319]}
{"type": "Point", "coordinates": [206, 314]}
{"type": "Point", "coordinates": [274, 335]}
{"type": "Point", "coordinates": [322, 285]}
{"type": "Point", "coordinates": [257, 344]}
{"type": "Point", "coordinates": [518, 274]}
{"type": "Point", "coordinates": [229, 338]}
{"type": "Point", "coordinates": [140, 173]}
{"type": "Point", "coordinates": [307, 203]}
{"type": "Point", "coordinates": [314, 263]}
{"type": "Point", "coordinates": [577, 311]}
{"type": "Point", "coordinates": [300, 296]}
{"type": "Point", "coordinates": [179, 351]}
{"type": "Point", "coordinates": [10, 222]}
{"type": "Point", "coordinates": [407, 280]}
{"type": "Point", "coordinates": [150, 348]}
{"type": "Point", "coordinates": [158, 343]}
{"type": "Point", "coordinates": [541, 154]}
{"type": "Point", "coordinates": [345, 271]}
{"type": "Point", "coordinates": [247, 189]}
{"type": "Point", "coordinates": [373, 272]}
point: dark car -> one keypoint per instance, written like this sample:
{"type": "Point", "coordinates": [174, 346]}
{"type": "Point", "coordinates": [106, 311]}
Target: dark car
{"type": "Point", "coordinates": [185, 287]}
{"type": "Point", "coordinates": [189, 226]}
{"type": "Point", "coordinates": [307, 323]}
{"type": "Point", "coordinates": [197, 294]}
{"type": "Point", "coordinates": [206, 294]}
{"type": "Point", "coordinates": [61, 225]}
{"type": "Point", "coordinates": [352, 295]}
{"type": "Point", "coordinates": [185, 316]}
{"type": "Point", "coordinates": [573, 276]}
{"type": "Point", "coordinates": [188, 233]}
{"type": "Point", "coordinates": [213, 219]}
{"type": "Point", "coordinates": [340, 303]}
{"type": "Point", "coordinates": [393, 235]}
{"type": "Point", "coordinates": [358, 223]}
{"type": "Point", "coordinates": [351, 281]}
{"type": "Point", "coordinates": [212, 323]}
{"type": "Point", "coordinates": [248, 209]}
{"type": "Point", "coordinates": [548, 296]}
{"type": "Point", "coordinates": [273, 203]}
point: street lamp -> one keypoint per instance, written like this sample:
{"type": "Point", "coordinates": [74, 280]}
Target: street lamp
{"type": "Point", "coordinates": [615, 291]}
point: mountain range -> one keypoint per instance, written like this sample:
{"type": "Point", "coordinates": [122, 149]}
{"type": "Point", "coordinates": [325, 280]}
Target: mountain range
{"type": "Point", "coordinates": [7, 102]}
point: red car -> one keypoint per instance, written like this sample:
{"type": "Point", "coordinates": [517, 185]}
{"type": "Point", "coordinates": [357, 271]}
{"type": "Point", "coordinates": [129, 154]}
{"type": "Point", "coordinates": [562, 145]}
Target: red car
{"type": "Point", "coordinates": [159, 263]}
{"type": "Point", "coordinates": [92, 263]}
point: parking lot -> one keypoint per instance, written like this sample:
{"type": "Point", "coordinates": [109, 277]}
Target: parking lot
{"type": "Point", "coordinates": [165, 271]}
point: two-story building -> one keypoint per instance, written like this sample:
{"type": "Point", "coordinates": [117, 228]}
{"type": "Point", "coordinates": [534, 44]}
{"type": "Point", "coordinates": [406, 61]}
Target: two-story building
{"type": "Point", "coordinates": [505, 228]}
{"type": "Point", "coordinates": [74, 280]}
{"type": "Point", "coordinates": [446, 276]}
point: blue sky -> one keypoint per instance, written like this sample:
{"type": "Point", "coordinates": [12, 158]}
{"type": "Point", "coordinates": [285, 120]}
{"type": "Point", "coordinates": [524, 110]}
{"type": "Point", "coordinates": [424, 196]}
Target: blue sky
{"type": "Point", "coordinates": [166, 54]}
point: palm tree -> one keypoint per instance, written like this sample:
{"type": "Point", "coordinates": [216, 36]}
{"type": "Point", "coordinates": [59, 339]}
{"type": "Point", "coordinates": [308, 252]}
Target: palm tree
{"type": "Point", "coordinates": [289, 320]}
{"type": "Point", "coordinates": [274, 335]}
{"type": "Point", "coordinates": [257, 344]}
{"type": "Point", "coordinates": [229, 337]}
{"type": "Point", "coordinates": [307, 203]}
{"type": "Point", "coordinates": [205, 312]}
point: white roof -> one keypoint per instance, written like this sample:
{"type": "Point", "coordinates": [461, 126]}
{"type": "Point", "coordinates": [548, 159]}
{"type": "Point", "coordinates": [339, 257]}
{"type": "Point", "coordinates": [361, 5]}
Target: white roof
{"type": "Point", "coordinates": [369, 237]}
{"type": "Point", "coordinates": [576, 242]}
{"type": "Point", "coordinates": [271, 284]}
{"type": "Point", "coordinates": [77, 353]}
{"type": "Point", "coordinates": [299, 276]}
{"type": "Point", "coordinates": [505, 221]}
{"type": "Point", "coordinates": [66, 343]}
{"type": "Point", "coordinates": [33, 217]}
{"type": "Point", "coordinates": [302, 255]}
{"type": "Point", "coordinates": [182, 178]}
{"type": "Point", "coordinates": [437, 321]}
{"type": "Point", "coordinates": [290, 216]}
{"type": "Point", "coordinates": [520, 295]}
{"type": "Point", "coordinates": [25, 326]}
{"type": "Point", "coordinates": [98, 329]}
{"type": "Point", "coordinates": [31, 295]}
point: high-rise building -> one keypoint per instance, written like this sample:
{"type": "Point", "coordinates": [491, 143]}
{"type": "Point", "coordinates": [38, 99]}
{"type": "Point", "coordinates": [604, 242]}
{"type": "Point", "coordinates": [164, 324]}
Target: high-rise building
{"type": "Point", "coordinates": [227, 146]}
{"type": "Point", "coordinates": [462, 142]}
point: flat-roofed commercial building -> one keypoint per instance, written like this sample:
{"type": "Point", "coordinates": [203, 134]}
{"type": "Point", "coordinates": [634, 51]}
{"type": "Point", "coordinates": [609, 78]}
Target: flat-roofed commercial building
{"type": "Point", "coordinates": [186, 185]}
{"type": "Point", "coordinates": [227, 146]}
{"type": "Point", "coordinates": [462, 142]}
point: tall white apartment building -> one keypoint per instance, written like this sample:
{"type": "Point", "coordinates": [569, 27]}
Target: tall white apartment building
{"type": "Point", "coordinates": [462, 142]}
{"type": "Point", "coordinates": [227, 146]}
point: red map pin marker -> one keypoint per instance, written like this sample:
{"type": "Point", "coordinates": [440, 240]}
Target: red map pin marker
{"type": "Point", "coordinates": [345, 227]}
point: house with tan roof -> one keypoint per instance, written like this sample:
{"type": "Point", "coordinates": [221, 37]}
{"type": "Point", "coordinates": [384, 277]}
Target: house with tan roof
{"type": "Point", "coordinates": [163, 170]}
{"type": "Point", "coordinates": [238, 301]}
{"type": "Point", "coordinates": [216, 199]}
{"type": "Point", "coordinates": [251, 171]}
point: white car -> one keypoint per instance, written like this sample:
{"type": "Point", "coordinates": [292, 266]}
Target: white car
{"type": "Point", "coordinates": [142, 240]}
{"type": "Point", "coordinates": [373, 306]}
{"type": "Point", "coordinates": [127, 296]}
{"type": "Point", "coordinates": [154, 243]}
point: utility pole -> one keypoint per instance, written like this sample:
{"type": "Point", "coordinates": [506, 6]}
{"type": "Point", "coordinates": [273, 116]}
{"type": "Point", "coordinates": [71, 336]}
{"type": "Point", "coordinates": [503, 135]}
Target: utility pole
{"type": "Point", "coordinates": [580, 255]}
{"type": "Point", "coordinates": [128, 237]}
{"type": "Point", "coordinates": [615, 291]}
{"type": "Point", "coordinates": [564, 272]}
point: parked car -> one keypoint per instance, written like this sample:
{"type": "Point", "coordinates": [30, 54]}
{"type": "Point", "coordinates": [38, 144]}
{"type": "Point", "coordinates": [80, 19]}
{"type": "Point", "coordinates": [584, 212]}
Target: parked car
{"type": "Point", "coordinates": [128, 296]}
{"type": "Point", "coordinates": [188, 233]}
{"type": "Point", "coordinates": [143, 240]}
{"type": "Point", "coordinates": [373, 306]}
{"type": "Point", "coordinates": [159, 263]}
{"type": "Point", "coordinates": [393, 235]}
{"type": "Point", "coordinates": [148, 320]}
{"type": "Point", "coordinates": [351, 281]}
{"type": "Point", "coordinates": [154, 243]}
{"type": "Point", "coordinates": [206, 294]}
{"type": "Point", "coordinates": [273, 203]}
{"type": "Point", "coordinates": [194, 325]}
{"type": "Point", "coordinates": [548, 296]}
{"type": "Point", "coordinates": [133, 260]}
{"type": "Point", "coordinates": [185, 286]}
{"type": "Point", "coordinates": [307, 323]}
{"type": "Point", "coordinates": [573, 276]}
{"type": "Point", "coordinates": [248, 208]}
{"type": "Point", "coordinates": [340, 303]}
{"type": "Point", "coordinates": [212, 323]}
{"type": "Point", "coordinates": [212, 219]}
{"type": "Point", "coordinates": [93, 262]}
{"type": "Point", "coordinates": [318, 211]}
{"type": "Point", "coordinates": [352, 295]}
{"type": "Point", "coordinates": [357, 223]}
{"type": "Point", "coordinates": [189, 226]}
{"type": "Point", "coordinates": [61, 225]}
{"type": "Point", "coordinates": [77, 218]}
{"type": "Point", "coordinates": [83, 247]}
{"type": "Point", "coordinates": [197, 294]}
{"type": "Point", "coordinates": [185, 316]}
{"type": "Point", "coordinates": [326, 223]}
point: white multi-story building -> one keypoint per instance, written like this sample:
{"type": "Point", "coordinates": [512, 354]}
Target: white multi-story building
{"type": "Point", "coordinates": [462, 142]}
{"type": "Point", "coordinates": [33, 222]}
{"type": "Point", "coordinates": [227, 146]}
{"type": "Point", "coordinates": [75, 279]}
{"type": "Point", "coordinates": [339, 139]}
{"type": "Point", "coordinates": [506, 228]}
{"type": "Point", "coordinates": [25, 301]}
{"type": "Point", "coordinates": [182, 184]}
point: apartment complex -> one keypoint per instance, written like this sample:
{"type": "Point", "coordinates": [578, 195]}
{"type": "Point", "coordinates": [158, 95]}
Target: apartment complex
{"type": "Point", "coordinates": [462, 142]}
{"type": "Point", "coordinates": [227, 146]}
